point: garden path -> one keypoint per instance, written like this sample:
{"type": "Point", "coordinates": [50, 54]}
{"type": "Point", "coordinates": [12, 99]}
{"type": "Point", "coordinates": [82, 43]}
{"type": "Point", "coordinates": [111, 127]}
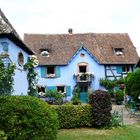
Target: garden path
{"type": "Point", "coordinates": [126, 118]}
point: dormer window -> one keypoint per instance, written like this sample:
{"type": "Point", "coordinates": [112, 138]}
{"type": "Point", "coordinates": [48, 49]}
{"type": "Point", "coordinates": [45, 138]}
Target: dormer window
{"type": "Point", "coordinates": [118, 51]}
{"type": "Point", "coordinates": [45, 53]}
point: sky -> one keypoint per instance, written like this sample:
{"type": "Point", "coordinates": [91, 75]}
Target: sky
{"type": "Point", "coordinates": [83, 16]}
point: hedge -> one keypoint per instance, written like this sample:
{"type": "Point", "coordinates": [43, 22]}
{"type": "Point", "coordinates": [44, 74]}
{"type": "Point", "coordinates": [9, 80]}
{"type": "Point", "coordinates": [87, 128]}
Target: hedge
{"type": "Point", "coordinates": [3, 135]}
{"type": "Point", "coordinates": [73, 116]}
{"type": "Point", "coordinates": [25, 117]}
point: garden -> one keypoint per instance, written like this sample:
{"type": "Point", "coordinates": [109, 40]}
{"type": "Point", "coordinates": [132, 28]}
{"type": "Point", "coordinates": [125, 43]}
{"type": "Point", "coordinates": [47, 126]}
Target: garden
{"type": "Point", "coordinates": [29, 117]}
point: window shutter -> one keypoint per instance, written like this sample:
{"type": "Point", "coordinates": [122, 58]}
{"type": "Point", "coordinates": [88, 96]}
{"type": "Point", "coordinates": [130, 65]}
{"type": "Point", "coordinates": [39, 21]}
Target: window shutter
{"type": "Point", "coordinates": [119, 69]}
{"type": "Point", "coordinates": [51, 87]}
{"type": "Point", "coordinates": [68, 90]}
{"type": "Point", "coordinates": [57, 71]}
{"type": "Point", "coordinates": [43, 71]}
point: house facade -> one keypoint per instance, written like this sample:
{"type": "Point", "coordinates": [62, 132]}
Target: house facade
{"type": "Point", "coordinates": [12, 49]}
{"type": "Point", "coordinates": [72, 60]}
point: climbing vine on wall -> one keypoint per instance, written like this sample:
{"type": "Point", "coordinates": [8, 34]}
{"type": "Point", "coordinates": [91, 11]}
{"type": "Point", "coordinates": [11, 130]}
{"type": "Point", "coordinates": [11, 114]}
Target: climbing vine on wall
{"type": "Point", "coordinates": [32, 75]}
{"type": "Point", "coordinates": [6, 78]}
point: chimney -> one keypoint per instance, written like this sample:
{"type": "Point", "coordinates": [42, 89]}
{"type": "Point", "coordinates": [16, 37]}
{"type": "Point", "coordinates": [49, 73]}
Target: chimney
{"type": "Point", "coordinates": [70, 31]}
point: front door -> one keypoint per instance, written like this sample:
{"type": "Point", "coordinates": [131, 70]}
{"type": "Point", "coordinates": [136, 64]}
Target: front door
{"type": "Point", "coordinates": [83, 94]}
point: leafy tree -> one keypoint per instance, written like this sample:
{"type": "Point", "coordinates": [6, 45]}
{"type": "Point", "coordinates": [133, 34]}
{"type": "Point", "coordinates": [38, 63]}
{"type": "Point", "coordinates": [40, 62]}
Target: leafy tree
{"type": "Point", "coordinates": [6, 78]}
{"type": "Point", "coordinates": [132, 82]}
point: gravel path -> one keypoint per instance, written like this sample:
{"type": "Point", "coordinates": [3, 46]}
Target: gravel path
{"type": "Point", "coordinates": [127, 119]}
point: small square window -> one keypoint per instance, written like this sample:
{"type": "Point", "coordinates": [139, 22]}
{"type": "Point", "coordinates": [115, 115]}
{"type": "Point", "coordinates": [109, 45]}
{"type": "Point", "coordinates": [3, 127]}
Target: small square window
{"type": "Point", "coordinates": [118, 51]}
{"type": "Point", "coordinates": [125, 69]}
{"type": "Point", "coordinates": [50, 71]}
{"type": "Point", "coordinates": [61, 89]}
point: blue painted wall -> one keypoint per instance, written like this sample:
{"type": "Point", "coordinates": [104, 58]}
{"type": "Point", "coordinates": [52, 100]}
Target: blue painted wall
{"type": "Point", "coordinates": [20, 78]}
{"type": "Point", "coordinates": [66, 72]}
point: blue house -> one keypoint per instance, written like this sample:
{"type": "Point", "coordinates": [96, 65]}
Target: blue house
{"type": "Point", "coordinates": [70, 60]}
{"type": "Point", "coordinates": [12, 49]}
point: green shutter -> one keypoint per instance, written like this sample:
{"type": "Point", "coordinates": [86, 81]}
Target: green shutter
{"type": "Point", "coordinates": [68, 90]}
{"type": "Point", "coordinates": [43, 71]}
{"type": "Point", "coordinates": [51, 87]}
{"type": "Point", "coordinates": [57, 71]}
{"type": "Point", "coordinates": [119, 69]}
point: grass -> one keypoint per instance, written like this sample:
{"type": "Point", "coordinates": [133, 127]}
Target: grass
{"type": "Point", "coordinates": [129, 132]}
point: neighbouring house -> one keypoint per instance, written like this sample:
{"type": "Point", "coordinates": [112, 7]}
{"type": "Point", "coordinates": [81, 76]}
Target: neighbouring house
{"type": "Point", "coordinates": [72, 60]}
{"type": "Point", "coordinates": [12, 49]}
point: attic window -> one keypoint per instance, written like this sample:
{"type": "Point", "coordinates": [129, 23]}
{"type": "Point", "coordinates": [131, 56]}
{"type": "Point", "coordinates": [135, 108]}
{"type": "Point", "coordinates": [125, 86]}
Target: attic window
{"type": "Point", "coordinates": [118, 51]}
{"type": "Point", "coordinates": [45, 53]}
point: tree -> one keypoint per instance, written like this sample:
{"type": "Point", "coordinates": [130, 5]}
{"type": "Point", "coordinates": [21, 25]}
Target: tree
{"type": "Point", "coordinates": [6, 78]}
{"type": "Point", "coordinates": [132, 82]}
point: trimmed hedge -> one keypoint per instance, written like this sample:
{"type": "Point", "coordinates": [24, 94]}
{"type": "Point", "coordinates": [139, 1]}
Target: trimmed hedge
{"type": "Point", "coordinates": [101, 108]}
{"type": "Point", "coordinates": [73, 116]}
{"type": "Point", "coordinates": [25, 117]}
{"type": "Point", "coordinates": [3, 136]}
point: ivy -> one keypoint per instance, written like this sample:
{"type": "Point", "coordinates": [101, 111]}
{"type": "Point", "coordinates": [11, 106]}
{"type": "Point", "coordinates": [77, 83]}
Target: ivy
{"type": "Point", "coordinates": [32, 75]}
{"type": "Point", "coordinates": [6, 78]}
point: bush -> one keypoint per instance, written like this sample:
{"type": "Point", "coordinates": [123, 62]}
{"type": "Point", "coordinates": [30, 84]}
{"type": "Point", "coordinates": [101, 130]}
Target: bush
{"type": "Point", "coordinates": [3, 136]}
{"type": "Point", "coordinates": [54, 97]}
{"type": "Point", "coordinates": [101, 108]}
{"type": "Point", "coordinates": [76, 96]}
{"type": "Point", "coordinates": [71, 116]}
{"type": "Point", "coordinates": [25, 117]}
{"type": "Point", "coordinates": [119, 96]}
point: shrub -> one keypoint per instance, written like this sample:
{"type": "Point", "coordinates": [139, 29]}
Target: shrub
{"type": "Point", "coordinates": [116, 119]}
{"type": "Point", "coordinates": [71, 116]}
{"type": "Point", "coordinates": [54, 97]}
{"type": "Point", "coordinates": [3, 136]}
{"type": "Point", "coordinates": [101, 108]}
{"type": "Point", "coordinates": [25, 117]}
{"type": "Point", "coordinates": [76, 96]}
{"type": "Point", "coordinates": [119, 95]}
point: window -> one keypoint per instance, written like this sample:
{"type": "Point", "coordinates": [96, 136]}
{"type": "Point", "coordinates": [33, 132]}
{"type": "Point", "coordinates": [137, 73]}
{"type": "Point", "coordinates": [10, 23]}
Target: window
{"type": "Point", "coordinates": [20, 59]}
{"type": "Point", "coordinates": [44, 52]}
{"type": "Point", "coordinates": [82, 69]}
{"type": "Point", "coordinates": [5, 46]}
{"type": "Point", "coordinates": [41, 90]}
{"type": "Point", "coordinates": [118, 51]}
{"type": "Point", "coordinates": [61, 89]}
{"type": "Point", "coordinates": [50, 71]}
{"type": "Point", "coordinates": [125, 69]}
{"type": "Point", "coordinates": [82, 54]}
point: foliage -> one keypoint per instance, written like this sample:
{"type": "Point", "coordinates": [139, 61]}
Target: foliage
{"type": "Point", "coordinates": [119, 95]}
{"type": "Point", "coordinates": [132, 82]}
{"type": "Point", "coordinates": [54, 97]}
{"type": "Point", "coordinates": [32, 75]}
{"type": "Point", "coordinates": [115, 119]}
{"type": "Point", "coordinates": [3, 136]}
{"type": "Point", "coordinates": [101, 107]}
{"type": "Point", "coordinates": [25, 117]}
{"type": "Point", "coordinates": [76, 96]}
{"type": "Point", "coordinates": [71, 116]}
{"type": "Point", "coordinates": [6, 78]}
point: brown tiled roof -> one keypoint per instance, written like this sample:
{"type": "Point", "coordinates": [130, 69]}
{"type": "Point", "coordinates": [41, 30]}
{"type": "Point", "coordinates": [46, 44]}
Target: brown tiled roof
{"type": "Point", "coordinates": [5, 25]}
{"type": "Point", "coordinates": [62, 47]}
{"type": "Point", "coordinates": [7, 30]}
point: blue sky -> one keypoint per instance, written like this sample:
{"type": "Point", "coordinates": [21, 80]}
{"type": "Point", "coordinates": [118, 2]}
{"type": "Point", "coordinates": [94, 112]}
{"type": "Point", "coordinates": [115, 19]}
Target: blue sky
{"type": "Point", "coordinates": [56, 16]}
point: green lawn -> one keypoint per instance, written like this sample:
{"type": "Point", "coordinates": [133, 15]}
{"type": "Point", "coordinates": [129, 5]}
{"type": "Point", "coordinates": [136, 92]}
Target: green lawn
{"type": "Point", "coordinates": [129, 132]}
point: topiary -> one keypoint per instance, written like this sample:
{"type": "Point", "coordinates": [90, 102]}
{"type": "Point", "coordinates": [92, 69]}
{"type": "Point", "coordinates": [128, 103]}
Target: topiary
{"type": "Point", "coordinates": [25, 117]}
{"type": "Point", "coordinates": [101, 108]}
